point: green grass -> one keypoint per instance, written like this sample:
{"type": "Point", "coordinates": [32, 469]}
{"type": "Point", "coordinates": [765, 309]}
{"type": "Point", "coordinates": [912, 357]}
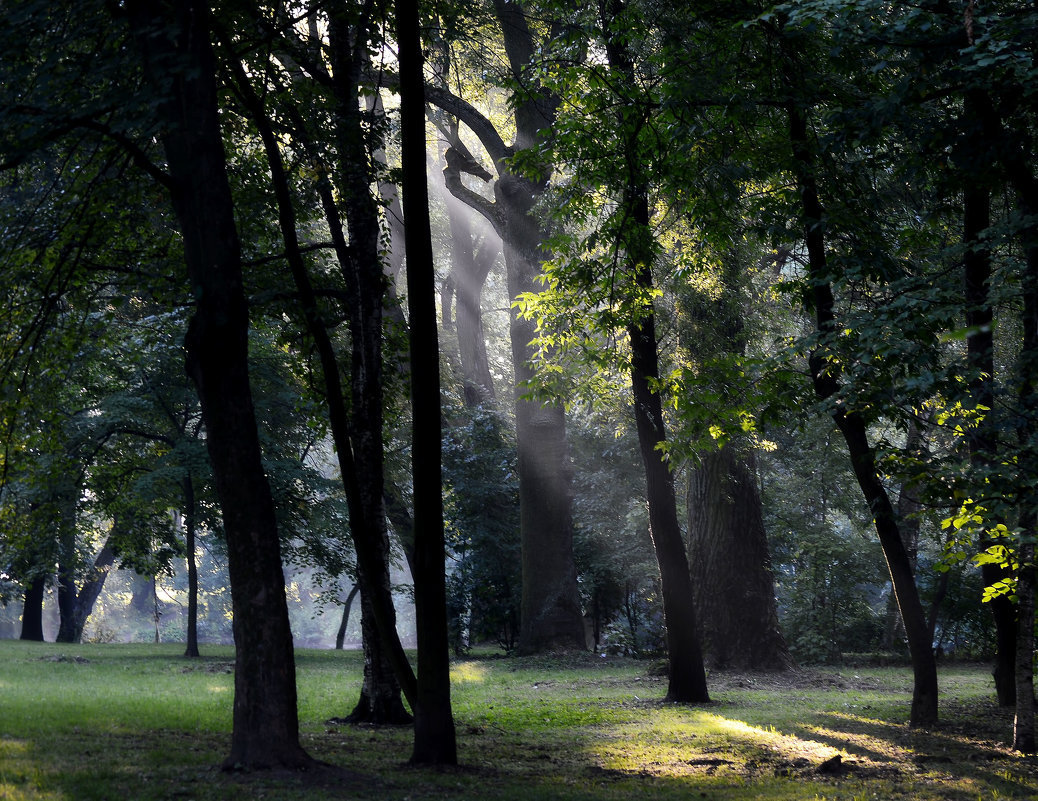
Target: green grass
{"type": "Point", "coordinates": [127, 722]}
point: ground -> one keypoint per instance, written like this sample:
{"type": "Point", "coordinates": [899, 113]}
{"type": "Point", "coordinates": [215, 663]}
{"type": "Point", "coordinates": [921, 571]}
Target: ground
{"type": "Point", "coordinates": [140, 722]}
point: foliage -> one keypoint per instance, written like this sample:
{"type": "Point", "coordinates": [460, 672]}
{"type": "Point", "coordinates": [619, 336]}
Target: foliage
{"type": "Point", "coordinates": [482, 512]}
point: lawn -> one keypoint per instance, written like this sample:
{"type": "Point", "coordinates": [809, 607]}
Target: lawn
{"type": "Point", "coordinates": [128, 722]}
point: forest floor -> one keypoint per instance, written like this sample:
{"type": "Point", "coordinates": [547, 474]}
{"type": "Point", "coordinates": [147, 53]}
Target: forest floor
{"type": "Point", "coordinates": [128, 722]}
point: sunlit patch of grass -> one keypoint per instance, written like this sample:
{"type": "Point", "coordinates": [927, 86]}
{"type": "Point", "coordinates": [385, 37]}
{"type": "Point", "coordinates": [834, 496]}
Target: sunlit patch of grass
{"type": "Point", "coordinates": [468, 672]}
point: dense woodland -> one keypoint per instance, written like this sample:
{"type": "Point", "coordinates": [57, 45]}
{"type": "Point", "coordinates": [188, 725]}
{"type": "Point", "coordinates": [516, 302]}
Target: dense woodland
{"type": "Point", "coordinates": [699, 330]}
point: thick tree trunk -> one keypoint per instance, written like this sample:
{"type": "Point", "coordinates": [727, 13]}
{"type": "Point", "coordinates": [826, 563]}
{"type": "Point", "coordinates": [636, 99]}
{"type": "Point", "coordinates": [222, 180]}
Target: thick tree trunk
{"type": "Point", "coordinates": [863, 461]}
{"type": "Point", "coordinates": [551, 617]}
{"type": "Point", "coordinates": [379, 703]}
{"type": "Point", "coordinates": [32, 610]}
{"type": "Point", "coordinates": [66, 604]}
{"type": "Point", "coordinates": [1024, 736]}
{"type": "Point", "coordinates": [66, 566]}
{"type": "Point", "coordinates": [174, 39]}
{"type": "Point", "coordinates": [731, 565]}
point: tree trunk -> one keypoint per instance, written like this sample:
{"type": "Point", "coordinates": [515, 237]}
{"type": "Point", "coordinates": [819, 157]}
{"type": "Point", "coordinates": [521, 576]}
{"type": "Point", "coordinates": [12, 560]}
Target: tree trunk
{"type": "Point", "coordinates": [551, 617]}
{"type": "Point", "coordinates": [91, 590]}
{"type": "Point", "coordinates": [434, 736]}
{"type": "Point", "coordinates": [1023, 723]}
{"type": "Point", "coordinates": [174, 38]}
{"type": "Point", "coordinates": [32, 610]}
{"type": "Point", "coordinates": [379, 703]}
{"type": "Point", "coordinates": [66, 566]}
{"type": "Point", "coordinates": [687, 678]}
{"type": "Point", "coordinates": [982, 439]}
{"type": "Point", "coordinates": [361, 457]}
{"type": "Point", "coordinates": [357, 436]}
{"type": "Point", "coordinates": [190, 524]}
{"type": "Point", "coordinates": [1024, 737]}
{"type": "Point", "coordinates": [470, 266]}
{"type": "Point", "coordinates": [908, 508]}
{"type": "Point", "coordinates": [731, 566]}
{"type": "Point", "coordinates": [340, 635]}
{"type": "Point", "coordinates": [826, 385]}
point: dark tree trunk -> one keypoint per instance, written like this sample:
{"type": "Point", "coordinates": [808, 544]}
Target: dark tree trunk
{"type": "Point", "coordinates": [982, 439]}
{"type": "Point", "coordinates": [340, 635]}
{"type": "Point", "coordinates": [174, 38]}
{"type": "Point", "coordinates": [1023, 722]}
{"type": "Point", "coordinates": [366, 283]}
{"type": "Point", "coordinates": [434, 739]}
{"type": "Point", "coordinates": [687, 678]}
{"type": "Point", "coordinates": [66, 605]}
{"type": "Point", "coordinates": [731, 565]}
{"type": "Point", "coordinates": [1024, 736]}
{"type": "Point", "coordinates": [190, 525]}
{"type": "Point", "coordinates": [908, 508]}
{"type": "Point", "coordinates": [91, 590]}
{"type": "Point", "coordinates": [863, 460]}
{"type": "Point", "coordinates": [66, 567]}
{"type": "Point", "coordinates": [32, 610]}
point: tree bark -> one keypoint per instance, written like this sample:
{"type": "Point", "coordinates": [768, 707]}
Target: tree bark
{"type": "Point", "coordinates": [366, 282]}
{"type": "Point", "coordinates": [357, 436]}
{"type": "Point", "coordinates": [67, 564]}
{"type": "Point", "coordinates": [1025, 739]}
{"type": "Point", "coordinates": [379, 703]}
{"type": "Point", "coordinates": [174, 41]}
{"type": "Point", "coordinates": [32, 610]}
{"type": "Point", "coordinates": [908, 508]}
{"type": "Point", "coordinates": [731, 566]}
{"type": "Point", "coordinates": [1023, 721]}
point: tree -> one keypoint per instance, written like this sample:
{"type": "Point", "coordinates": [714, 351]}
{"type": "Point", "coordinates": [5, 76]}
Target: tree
{"type": "Point", "coordinates": [177, 57]}
{"type": "Point", "coordinates": [434, 722]}
{"type": "Point", "coordinates": [551, 614]}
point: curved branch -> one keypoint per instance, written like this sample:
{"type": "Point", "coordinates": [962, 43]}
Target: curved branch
{"type": "Point", "coordinates": [452, 179]}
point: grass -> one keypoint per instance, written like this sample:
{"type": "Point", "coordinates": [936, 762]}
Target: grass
{"type": "Point", "coordinates": [127, 722]}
